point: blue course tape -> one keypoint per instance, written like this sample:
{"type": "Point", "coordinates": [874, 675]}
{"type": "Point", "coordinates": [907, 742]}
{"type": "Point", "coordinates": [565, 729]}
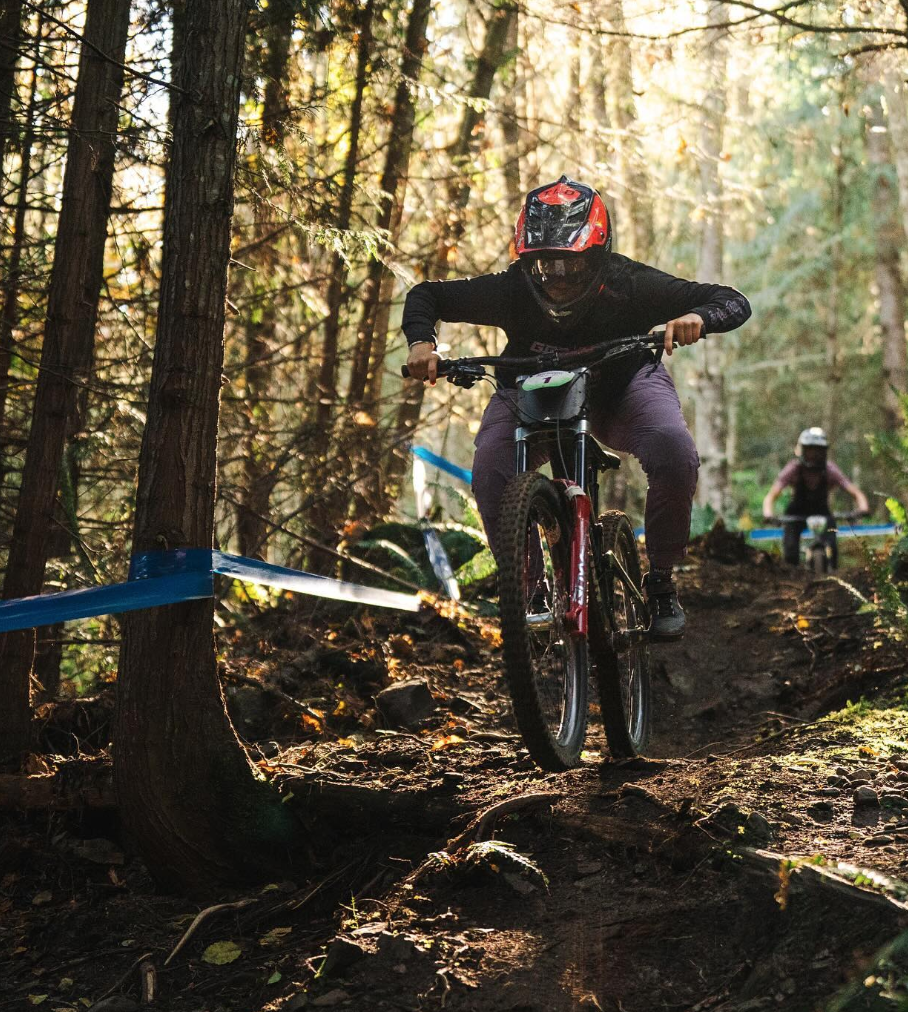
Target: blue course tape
{"type": "Point", "coordinates": [442, 464]}
{"type": "Point", "coordinates": [856, 531]}
{"type": "Point", "coordinates": [159, 578]}
{"type": "Point", "coordinates": [48, 609]}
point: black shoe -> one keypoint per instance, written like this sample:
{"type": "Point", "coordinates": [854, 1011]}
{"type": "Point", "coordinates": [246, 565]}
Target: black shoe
{"type": "Point", "coordinates": [662, 597]}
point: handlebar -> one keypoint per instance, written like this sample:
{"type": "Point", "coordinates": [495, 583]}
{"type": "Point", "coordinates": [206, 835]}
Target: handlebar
{"type": "Point", "coordinates": [467, 371]}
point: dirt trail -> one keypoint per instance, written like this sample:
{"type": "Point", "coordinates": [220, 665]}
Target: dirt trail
{"type": "Point", "coordinates": [630, 887]}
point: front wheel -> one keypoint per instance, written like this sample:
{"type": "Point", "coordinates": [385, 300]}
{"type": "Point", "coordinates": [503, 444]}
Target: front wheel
{"type": "Point", "coordinates": [546, 666]}
{"type": "Point", "coordinates": [819, 563]}
{"type": "Point", "coordinates": [621, 651]}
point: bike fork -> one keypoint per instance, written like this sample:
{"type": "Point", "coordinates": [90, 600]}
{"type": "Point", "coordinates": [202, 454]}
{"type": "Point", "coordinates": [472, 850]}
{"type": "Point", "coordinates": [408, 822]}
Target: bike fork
{"type": "Point", "coordinates": [576, 618]}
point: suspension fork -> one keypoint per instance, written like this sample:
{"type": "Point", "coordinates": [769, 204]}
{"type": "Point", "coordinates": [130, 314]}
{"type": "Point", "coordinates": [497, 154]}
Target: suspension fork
{"type": "Point", "coordinates": [576, 618]}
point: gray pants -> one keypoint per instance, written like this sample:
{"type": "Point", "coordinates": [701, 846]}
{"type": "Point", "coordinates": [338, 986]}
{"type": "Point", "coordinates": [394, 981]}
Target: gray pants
{"type": "Point", "coordinates": [645, 421]}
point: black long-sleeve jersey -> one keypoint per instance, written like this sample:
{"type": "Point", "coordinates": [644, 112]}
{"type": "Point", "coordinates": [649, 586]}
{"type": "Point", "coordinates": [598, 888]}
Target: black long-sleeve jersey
{"type": "Point", "coordinates": [634, 299]}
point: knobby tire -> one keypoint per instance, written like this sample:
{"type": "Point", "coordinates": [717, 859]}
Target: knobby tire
{"type": "Point", "coordinates": [623, 677]}
{"type": "Point", "coordinates": [540, 665]}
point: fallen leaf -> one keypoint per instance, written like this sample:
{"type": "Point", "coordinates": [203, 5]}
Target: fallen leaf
{"type": "Point", "coordinates": [219, 953]}
{"type": "Point", "coordinates": [447, 741]}
{"type": "Point", "coordinates": [274, 937]}
{"type": "Point", "coordinates": [39, 899]}
{"type": "Point", "coordinates": [37, 999]}
{"type": "Point", "coordinates": [275, 977]}
{"type": "Point", "coordinates": [802, 623]}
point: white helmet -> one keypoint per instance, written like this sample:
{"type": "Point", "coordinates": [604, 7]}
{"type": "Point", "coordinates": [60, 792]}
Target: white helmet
{"type": "Point", "coordinates": [813, 436]}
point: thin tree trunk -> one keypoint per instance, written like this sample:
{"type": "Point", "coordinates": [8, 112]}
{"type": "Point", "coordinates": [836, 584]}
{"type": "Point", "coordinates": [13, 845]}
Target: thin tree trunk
{"type": "Point", "coordinates": [895, 82]}
{"type": "Point", "coordinates": [513, 89]}
{"type": "Point", "coordinates": [259, 477]}
{"type": "Point", "coordinates": [833, 347]}
{"type": "Point", "coordinates": [711, 408]}
{"type": "Point", "coordinates": [10, 289]}
{"type": "Point", "coordinates": [633, 184]}
{"type": "Point", "coordinates": [378, 289]}
{"type": "Point", "coordinates": [491, 59]}
{"type": "Point", "coordinates": [327, 377]}
{"type": "Point", "coordinates": [188, 795]}
{"type": "Point", "coordinates": [68, 350]}
{"type": "Point", "coordinates": [10, 32]}
{"type": "Point", "coordinates": [890, 240]}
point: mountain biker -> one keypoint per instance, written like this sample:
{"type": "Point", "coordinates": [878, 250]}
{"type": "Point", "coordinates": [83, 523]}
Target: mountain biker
{"type": "Point", "coordinates": [566, 289]}
{"type": "Point", "coordinates": [811, 476]}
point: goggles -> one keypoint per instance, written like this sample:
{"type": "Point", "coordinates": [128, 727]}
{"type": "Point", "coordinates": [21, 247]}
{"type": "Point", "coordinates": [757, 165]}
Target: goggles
{"type": "Point", "coordinates": [570, 269]}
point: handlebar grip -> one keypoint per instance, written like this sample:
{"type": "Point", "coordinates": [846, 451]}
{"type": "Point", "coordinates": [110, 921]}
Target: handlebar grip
{"type": "Point", "coordinates": [404, 371]}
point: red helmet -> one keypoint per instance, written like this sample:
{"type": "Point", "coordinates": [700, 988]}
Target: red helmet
{"type": "Point", "coordinates": [563, 238]}
{"type": "Point", "coordinates": [564, 216]}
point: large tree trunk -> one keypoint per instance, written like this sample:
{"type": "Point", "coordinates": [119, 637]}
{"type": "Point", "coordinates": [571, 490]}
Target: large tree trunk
{"type": "Point", "coordinates": [10, 30]}
{"type": "Point", "coordinates": [890, 240]}
{"type": "Point", "coordinates": [710, 393]}
{"type": "Point", "coordinates": [377, 291]}
{"type": "Point", "coordinates": [69, 335]}
{"type": "Point", "coordinates": [491, 59]}
{"type": "Point", "coordinates": [188, 794]}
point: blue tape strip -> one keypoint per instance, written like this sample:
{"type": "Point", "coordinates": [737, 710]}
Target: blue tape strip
{"type": "Point", "coordinates": [443, 465]}
{"type": "Point", "coordinates": [253, 571]}
{"type": "Point", "coordinates": [856, 531]}
{"type": "Point", "coordinates": [184, 574]}
{"type": "Point", "coordinates": [48, 609]}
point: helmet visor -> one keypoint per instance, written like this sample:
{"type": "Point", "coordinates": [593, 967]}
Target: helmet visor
{"type": "Point", "coordinates": [813, 457]}
{"type": "Point", "coordinates": [562, 279]}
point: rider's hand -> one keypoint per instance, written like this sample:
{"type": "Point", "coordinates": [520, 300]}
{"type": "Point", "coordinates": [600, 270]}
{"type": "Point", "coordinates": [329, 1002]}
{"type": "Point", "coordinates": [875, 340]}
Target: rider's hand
{"type": "Point", "coordinates": [423, 361]}
{"type": "Point", "coordinates": [687, 329]}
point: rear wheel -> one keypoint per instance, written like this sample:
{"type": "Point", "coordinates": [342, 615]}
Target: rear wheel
{"type": "Point", "coordinates": [546, 666]}
{"type": "Point", "coordinates": [620, 650]}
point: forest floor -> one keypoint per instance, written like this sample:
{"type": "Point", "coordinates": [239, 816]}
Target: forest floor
{"type": "Point", "coordinates": [752, 861]}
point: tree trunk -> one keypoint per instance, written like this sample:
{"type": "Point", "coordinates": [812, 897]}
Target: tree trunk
{"type": "Point", "coordinates": [188, 793]}
{"type": "Point", "coordinates": [326, 515]}
{"type": "Point", "coordinates": [509, 116]}
{"type": "Point", "coordinates": [10, 290]}
{"type": "Point", "coordinates": [890, 240]}
{"type": "Point", "coordinates": [371, 337]}
{"type": "Point", "coordinates": [633, 183]}
{"type": "Point", "coordinates": [895, 82]}
{"type": "Point", "coordinates": [259, 478]}
{"type": "Point", "coordinates": [327, 377]}
{"type": "Point", "coordinates": [10, 31]}
{"type": "Point", "coordinates": [69, 335]}
{"type": "Point", "coordinates": [710, 393]}
{"type": "Point", "coordinates": [832, 280]}
{"type": "Point", "coordinates": [498, 29]}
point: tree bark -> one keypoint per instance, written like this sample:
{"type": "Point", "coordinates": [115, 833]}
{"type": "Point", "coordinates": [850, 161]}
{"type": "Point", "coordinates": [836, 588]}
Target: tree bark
{"type": "Point", "coordinates": [890, 240]}
{"type": "Point", "coordinates": [188, 794]}
{"type": "Point", "coordinates": [10, 34]}
{"type": "Point", "coordinates": [710, 392]}
{"type": "Point", "coordinates": [69, 336]}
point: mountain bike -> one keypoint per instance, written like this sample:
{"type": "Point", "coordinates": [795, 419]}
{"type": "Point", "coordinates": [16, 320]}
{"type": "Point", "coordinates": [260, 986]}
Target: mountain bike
{"type": "Point", "coordinates": [819, 549]}
{"type": "Point", "coordinates": [569, 577]}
